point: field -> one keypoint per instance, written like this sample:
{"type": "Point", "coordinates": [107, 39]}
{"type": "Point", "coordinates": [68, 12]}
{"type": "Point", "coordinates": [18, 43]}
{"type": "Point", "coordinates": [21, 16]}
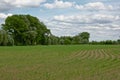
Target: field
{"type": "Point", "coordinates": [65, 62]}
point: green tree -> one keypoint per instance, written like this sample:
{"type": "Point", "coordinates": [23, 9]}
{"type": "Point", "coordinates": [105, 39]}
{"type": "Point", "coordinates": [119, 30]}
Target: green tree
{"type": "Point", "coordinates": [118, 41]}
{"type": "Point", "coordinates": [25, 29]}
{"type": "Point", "coordinates": [5, 38]}
{"type": "Point", "coordinates": [76, 39]}
{"type": "Point", "coordinates": [84, 37]}
{"type": "Point", "coordinates": [81, 38]}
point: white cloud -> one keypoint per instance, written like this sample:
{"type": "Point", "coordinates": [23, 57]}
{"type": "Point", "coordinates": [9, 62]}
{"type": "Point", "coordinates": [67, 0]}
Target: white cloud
{"type": "Point", "coordinates": [59, 4]}
{"type": "Point", "coordinates": [106, 25]}
{"type": "Point", "coordinates": [24, 3]}
{"type": "Point", "coordinates": [9, 4]}
{"type": "Point", "coordinates": [106, 31]}
{"type": "Point", "coordinates": [4, 6]}
{"type": "Point", "coordinates": [94, 6]}
{"type": "Point", "coordinates": [88, 19]}
{"type": "Point", "coordinates": [3, 16]}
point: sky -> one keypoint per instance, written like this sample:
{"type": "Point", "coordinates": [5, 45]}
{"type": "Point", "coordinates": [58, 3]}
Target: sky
{"type": "Point", "coordinates": [101, 18]}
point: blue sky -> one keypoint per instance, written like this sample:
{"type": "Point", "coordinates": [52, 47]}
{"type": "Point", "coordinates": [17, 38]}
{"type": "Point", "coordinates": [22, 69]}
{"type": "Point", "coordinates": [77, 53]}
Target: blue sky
{"type": "Point", "coordinates": [101, 18]}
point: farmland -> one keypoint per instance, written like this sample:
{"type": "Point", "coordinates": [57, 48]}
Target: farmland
{"type": "Point", "coordinates": [60, 62]}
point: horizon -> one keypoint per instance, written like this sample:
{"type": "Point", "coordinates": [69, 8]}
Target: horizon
{"type": "Point", "coordinates": [70, 17]}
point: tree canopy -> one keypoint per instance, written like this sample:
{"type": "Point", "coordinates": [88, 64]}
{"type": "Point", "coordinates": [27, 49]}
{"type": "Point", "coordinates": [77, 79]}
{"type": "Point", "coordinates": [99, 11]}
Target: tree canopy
{"type": "Point", "coordinates": [25, 29]}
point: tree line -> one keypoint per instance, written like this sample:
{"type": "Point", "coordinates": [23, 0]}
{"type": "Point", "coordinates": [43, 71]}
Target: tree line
{"type": "Point", "coordinates": [106, 42]}
{"type": "Point", "coordinates": [22, 30]}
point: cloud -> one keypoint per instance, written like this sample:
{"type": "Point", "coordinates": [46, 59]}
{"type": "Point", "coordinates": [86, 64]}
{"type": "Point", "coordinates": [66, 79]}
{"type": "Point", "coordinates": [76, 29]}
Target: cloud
{"type": "Point", "coordinates": [10, 4]}
{"type": "Point", "coordinates": [24, 3]}
{"type": "Point", "coordinates": [4, 6]}
{"type": "Point", "coordinates": [88, 19]}
{"type": "Point", "coordinates": [104, 24]}
{"type": "Point", "coordinates": [3, 16]}
{"type": "Point", "coordinates": [59, 4]}
{"type": "Point", "coordinates": [97, 31]}
{"type": "Point", "coordinates": [94, 6]}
